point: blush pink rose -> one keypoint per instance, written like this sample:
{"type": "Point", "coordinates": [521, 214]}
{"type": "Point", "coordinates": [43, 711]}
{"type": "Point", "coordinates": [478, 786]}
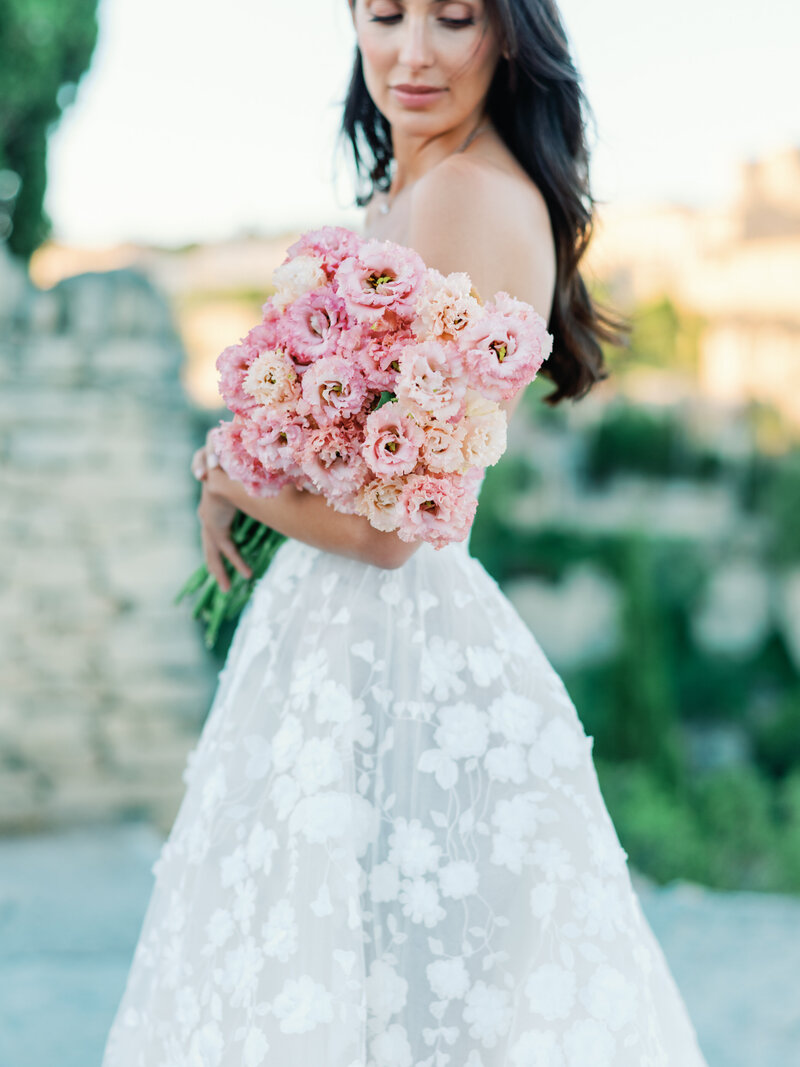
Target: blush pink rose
{"type": "Point", "coordinates": [235, 361]}
{"type": "Point", "coordinates": [378, 355]}
{"type": "Point", "coordinates": [436, 508]}
{"type": "Point", "coordinates": [332, 460]}
{"type": "Point", "coordinates": [432, 379]}
{"type": "Point", "coordinates": [233, 364]}
{"type": "Point", "coordinates": [392, 441]}
{"type": "Point", "coordinates": [505, 348]}
{"type": "Point", "coordinates": [276, 436]}
{"type": "Point", "coordinates": [311, 326]}
{"type": "Point", "coordinates": [333, 390]}
{"type": "Point", "coordinates": [329, 244]}
{"type": "Point", "coordinates": [240, 465]}
{"type": "Point", "coordinates": [382, 278]}
{"type": "Point", "coordinates": [271, 316]}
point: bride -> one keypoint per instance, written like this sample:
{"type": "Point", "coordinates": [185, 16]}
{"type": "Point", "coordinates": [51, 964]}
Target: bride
{"type": "Point", "coordinates": [392, 850]}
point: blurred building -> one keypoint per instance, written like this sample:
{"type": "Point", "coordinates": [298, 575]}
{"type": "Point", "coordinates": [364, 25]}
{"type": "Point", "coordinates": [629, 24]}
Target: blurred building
{"type": "Point", "coordinates": [215, 291]}
{"type": "Point", "coordinates": [738, 266]}
{"type": "Point", "coordinates": [104, 683]}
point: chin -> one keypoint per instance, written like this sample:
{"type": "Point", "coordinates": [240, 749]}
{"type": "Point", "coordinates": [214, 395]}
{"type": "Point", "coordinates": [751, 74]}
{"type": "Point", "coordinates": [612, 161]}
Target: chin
{"type": "Point", "coordinates": [417, 124]}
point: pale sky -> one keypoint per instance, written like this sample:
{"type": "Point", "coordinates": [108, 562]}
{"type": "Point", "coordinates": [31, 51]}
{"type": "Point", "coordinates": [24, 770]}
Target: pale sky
{"type": "Point", "coordinates": [199, 120]}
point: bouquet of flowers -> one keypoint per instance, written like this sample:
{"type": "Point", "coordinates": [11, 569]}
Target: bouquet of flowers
{"type": "Point", "coordinates": [375, 381]}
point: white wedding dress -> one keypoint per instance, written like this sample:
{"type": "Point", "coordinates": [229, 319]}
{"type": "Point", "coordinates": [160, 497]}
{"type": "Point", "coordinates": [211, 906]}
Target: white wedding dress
{"type": "Point", "coordinates": [392, 850]}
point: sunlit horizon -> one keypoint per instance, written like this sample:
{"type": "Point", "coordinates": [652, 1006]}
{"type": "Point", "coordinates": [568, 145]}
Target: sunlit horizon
{"type": "Point", "coordinates": [189, 128]}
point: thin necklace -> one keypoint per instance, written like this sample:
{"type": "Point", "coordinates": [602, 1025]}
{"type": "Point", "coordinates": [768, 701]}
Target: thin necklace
{"type": "Point", "coordinates": [385, 206]}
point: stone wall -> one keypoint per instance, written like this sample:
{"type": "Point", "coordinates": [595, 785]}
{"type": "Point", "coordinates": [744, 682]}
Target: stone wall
{"type": "Point", "coordinates": [104, 684]}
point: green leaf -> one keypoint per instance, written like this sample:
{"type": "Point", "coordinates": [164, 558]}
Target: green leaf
{"type": "Point", "coordinates": [385, 398]}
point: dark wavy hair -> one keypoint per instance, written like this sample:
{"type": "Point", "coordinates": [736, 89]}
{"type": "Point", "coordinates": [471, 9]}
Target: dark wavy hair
{"type": "Point", "coordinates": [537, 105]}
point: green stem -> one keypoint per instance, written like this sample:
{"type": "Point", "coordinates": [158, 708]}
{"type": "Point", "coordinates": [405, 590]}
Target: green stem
{"type": "Point", "coordinates": [257, 544]}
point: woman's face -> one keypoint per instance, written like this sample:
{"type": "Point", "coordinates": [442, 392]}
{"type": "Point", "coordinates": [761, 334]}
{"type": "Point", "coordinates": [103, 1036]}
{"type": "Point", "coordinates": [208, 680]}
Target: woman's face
{"type": "Point", "coordinates": [445, 49]}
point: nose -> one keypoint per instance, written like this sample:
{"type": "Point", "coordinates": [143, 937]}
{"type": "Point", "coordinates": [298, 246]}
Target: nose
{"type": "Point", "coordinates": [415, 48]}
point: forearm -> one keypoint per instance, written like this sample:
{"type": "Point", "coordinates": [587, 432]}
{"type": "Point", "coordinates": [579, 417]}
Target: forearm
{"type": "Point", "coordinates": [307, 517]}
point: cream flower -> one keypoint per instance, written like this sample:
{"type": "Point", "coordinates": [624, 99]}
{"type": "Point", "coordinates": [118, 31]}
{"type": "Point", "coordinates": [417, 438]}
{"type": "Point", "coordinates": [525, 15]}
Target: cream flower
{"type": "Point", "coordinates": [379, 501]}
{"type": "Point", "coordinates": [442, 447]}
{"type": "Point", "coordinates": [295, 277]}
{"type": "Point", "coordinates": [271, 378]}
{"type": "Point", "coordinates": [485, 438]}
{"type": "Point", "coordinates": [446, 305]}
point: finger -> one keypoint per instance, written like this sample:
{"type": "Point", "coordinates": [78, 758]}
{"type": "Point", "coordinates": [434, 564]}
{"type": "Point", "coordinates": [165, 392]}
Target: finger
{"type": "Point", "coordinates": [214, 561]}
{"type": "Point", "coordinates": [229, 549]}
{"type": "Point", "coordinates": [199, 468]}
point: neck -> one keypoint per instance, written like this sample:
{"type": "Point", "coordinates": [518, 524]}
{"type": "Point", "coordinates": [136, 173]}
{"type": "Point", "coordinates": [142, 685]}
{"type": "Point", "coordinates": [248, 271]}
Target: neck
{"type": "Point", "coordinates": [414, 155]}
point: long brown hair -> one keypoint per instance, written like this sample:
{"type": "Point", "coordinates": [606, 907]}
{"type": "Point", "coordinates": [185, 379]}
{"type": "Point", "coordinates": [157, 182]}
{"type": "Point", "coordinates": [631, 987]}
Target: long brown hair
{"type": "Point", "coordinates": [537, 105]}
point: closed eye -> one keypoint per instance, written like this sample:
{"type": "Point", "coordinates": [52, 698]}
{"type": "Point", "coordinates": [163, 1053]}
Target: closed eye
{"type": "Point", "coordinates": [452, 23]}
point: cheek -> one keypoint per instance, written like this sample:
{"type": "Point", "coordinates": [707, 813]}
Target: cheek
{"type": "Point", "coordinates": [472, 62]}
{"type": "Point", "coordinates": [376, 49]}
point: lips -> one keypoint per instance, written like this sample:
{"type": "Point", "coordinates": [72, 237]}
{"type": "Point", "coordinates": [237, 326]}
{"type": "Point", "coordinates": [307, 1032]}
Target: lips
{"type": "Point", "coordinates": [417, 97]}
{"type": "Point", "coordinates": [421, 89]}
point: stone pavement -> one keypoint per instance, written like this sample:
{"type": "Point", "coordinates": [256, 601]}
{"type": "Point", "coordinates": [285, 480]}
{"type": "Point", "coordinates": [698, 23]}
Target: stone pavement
{"type": "Point", "coordinates": [71, 905]}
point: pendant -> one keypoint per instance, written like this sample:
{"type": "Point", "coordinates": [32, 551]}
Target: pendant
{"type": "Point", "coordinates": [383, 207]}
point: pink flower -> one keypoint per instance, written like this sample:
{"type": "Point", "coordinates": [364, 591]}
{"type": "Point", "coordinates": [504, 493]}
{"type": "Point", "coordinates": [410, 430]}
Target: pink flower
{"type": "Point", "coordinates": [431, 379]}
{"type": "Point", "coordinates": [392, 441]}
{"type": "Point", "coordinates": [235, 361]}
{"type": "Point", "coordinates": [270, 315]}
{"type": "Point", "coordinates": [333, 390]}
{"type": "Point", "coordinates": [239, 464]}
{"type": "Point", "coordinates": [276, 437]}
{"type": "Point", "coordinates": [473, 479]}
{"type": "Point", "coordinates": [505, 348]}
{"type": "Point", "coordinates": [312, 325]}
{"type": "Point", "coordinates": [330, 244]}
{"type": "Point", "coordinates": [378, 355]}
{"type": "Point", "coordinates": [381, 279]}
{"type": "Point", "coordinates": [436, 508]}
{"type": "Point", "coordinates": [233, 364]}
{"type": "Point", "coordinates": [332, 460]}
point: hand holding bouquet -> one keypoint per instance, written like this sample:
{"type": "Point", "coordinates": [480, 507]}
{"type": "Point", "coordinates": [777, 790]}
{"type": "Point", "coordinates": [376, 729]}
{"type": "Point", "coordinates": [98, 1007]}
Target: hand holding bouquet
{"type": "Point", "coordinates": [376, 381]}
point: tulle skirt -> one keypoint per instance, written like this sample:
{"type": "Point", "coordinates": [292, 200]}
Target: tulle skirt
{"type": "Point", "coordinates": [392, 850]}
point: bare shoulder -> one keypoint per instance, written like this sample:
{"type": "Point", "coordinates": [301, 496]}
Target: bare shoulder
{"type": "Point", "coordinates": [468, 214]}
{"type": "Point", "coordinates": [370, 213]}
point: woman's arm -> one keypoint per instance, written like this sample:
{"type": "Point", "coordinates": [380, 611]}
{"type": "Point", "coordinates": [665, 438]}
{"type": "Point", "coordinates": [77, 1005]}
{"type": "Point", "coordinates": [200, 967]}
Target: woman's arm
{"type": "Point", "coordinates": [304, 516]}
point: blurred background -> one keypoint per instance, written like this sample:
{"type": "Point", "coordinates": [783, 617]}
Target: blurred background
{"type": "Point", "coordinates": [156, 160]}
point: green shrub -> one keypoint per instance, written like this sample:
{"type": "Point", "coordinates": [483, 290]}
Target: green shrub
{"type": "Point", "coordinates": [735, 811]}
{"type": "Point", "coordinates": [789, 840]}
{"type": "Point", "coordinates": [730, 829]}
{"type": "Point", "coordinates": [660, 833]}
{"type": "Point", "coordinates": [45, 47]}
{"type": "Point", "coordinates": [780, 506]}
{"type": "Point", "coordinates": [643, 714]}
{"type": "Point", "coordinates": [777, 740]}
{"type": "Point", "coordinates": [636, 440]}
